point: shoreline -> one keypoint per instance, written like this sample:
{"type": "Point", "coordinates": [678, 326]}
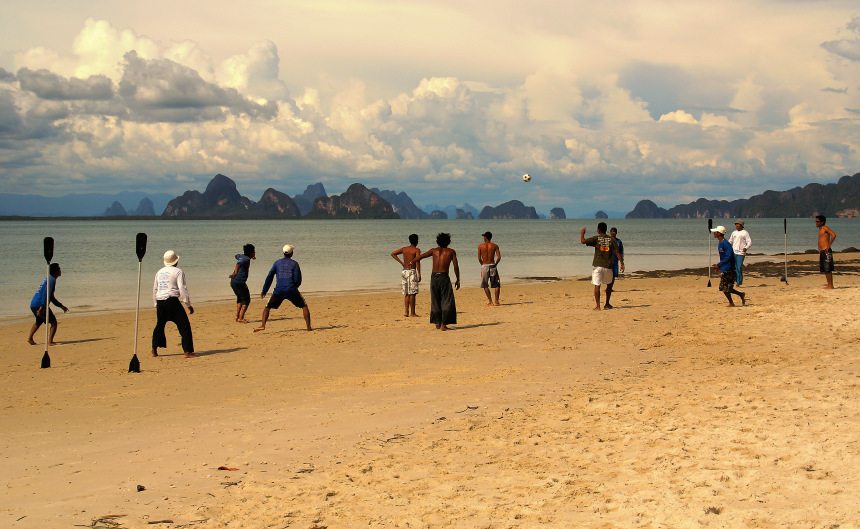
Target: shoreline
{"type": "Point", "coordinates": [760, 263]}
{"type": "Point", "coordinates": [538, 412]}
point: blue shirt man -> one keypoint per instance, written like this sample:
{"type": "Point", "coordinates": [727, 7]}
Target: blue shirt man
{"type": "Point", "coordinates": [727, 266]}
{"type": "Point", "coordinates": [289, 280]}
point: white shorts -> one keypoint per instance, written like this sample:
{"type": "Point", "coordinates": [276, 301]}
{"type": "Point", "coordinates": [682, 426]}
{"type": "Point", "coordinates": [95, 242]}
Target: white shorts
{"type": "Point", "coordinates": [601, 276]}
{"type": "Point", "coordinates": [409, 282]}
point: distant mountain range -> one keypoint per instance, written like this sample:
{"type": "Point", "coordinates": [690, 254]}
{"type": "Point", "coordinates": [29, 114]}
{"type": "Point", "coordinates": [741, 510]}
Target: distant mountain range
{"type": "Point", "coordinates": [221, 198]}
{"type": "Point", "coordinates": [841, 199]}
{"type": "Point", "coordinates": [79, 205]}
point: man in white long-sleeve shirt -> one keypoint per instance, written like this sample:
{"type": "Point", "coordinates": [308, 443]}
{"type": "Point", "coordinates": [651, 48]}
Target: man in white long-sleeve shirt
{"type": "Point", "coordinates": [741, 241]}
{"type": "Point", "coordinates": [169, 292]}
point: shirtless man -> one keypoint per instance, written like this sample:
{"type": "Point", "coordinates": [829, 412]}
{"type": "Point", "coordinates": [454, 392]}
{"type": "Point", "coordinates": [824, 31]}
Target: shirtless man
{"type": "Point", "coordinates": [489, 256]}
{"type": "Point", "coordinates": [825, 241]}
{"type": "Point", "coordinates": [443, 310]}
{"type": "Point", "coordinates": [411, 274]}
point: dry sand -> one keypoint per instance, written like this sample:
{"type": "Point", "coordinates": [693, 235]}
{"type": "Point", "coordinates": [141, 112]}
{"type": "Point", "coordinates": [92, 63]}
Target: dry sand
{"type": "Point", "coordinates": [670, 410]}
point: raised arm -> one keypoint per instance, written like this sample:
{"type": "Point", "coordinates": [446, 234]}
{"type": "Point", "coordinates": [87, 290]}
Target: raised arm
{"type": "Point", "coordinates": [582, 236]}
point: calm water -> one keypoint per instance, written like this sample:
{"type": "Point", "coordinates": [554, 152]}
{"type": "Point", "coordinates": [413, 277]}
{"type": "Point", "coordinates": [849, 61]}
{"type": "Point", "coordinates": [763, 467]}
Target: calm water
{"type": "Point", "coordinates": [100, 265]}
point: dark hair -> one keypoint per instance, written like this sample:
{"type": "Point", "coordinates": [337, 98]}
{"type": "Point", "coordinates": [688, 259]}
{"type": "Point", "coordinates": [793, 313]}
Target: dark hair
{"type": "Point", "coordinates": [488, 235]}
{"type": "Point", "coordinates": [248, 249]}
{"type": "Point", "coordinates": [822, 218]}
{"type": "Point", "coordinates": [601, 228]}
{"type": "Point", "coordinates": [54, 269]}
{"type": "Point", "coordinates": [443, 239]}
{"type": "Point", "coordinates": [613, 228]}
{"type": "Point", "coordinates": [413, 239]}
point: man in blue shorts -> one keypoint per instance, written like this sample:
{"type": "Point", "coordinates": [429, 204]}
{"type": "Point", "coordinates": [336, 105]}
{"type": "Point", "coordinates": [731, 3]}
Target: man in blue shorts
{"type": "Point", "coordinates": [286, 288]}
{"type": "Point", "coordinates": [39, 304]}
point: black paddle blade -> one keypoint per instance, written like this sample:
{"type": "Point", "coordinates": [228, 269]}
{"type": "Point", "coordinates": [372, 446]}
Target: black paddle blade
{"type": "Point", "coordinates": [710, 226]}
{"type": "Point", "coordinates": [785, 225]}
{"type": "Point", "coordinates": [46, 360]}
{"type": "Point", "coordinates": [49, 249]}
{"type": "Point", "coordinates": [141, 246]}
{"type": "Point", "coordinates": [709, 283]}
{"type": "Point", "coordinates": [134, 365]}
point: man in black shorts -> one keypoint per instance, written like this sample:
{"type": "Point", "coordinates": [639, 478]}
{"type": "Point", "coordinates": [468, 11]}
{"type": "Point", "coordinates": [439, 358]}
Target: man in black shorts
{"type": "Point", "coordinates": [287, 287]}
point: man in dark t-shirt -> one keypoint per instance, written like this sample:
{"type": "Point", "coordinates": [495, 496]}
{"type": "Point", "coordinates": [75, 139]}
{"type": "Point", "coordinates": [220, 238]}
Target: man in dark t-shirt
{"type": "Point", "coordinates": [601, 266]}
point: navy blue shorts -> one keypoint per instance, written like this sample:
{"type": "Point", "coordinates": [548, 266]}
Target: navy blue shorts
{"type": "Point", "coordinates": [40, 319]}
{"type": "Point", "coordinates": [294, 298]}
{"type": "Point", "coordinates": [243, 295]}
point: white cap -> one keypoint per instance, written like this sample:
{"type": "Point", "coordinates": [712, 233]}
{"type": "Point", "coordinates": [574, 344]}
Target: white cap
{"type": "Point", "coordinates": [721, 229]}
{"type": "Point", "coordinates": [170, 258]}
{"type": "Point", "coordinates": [288, 248]}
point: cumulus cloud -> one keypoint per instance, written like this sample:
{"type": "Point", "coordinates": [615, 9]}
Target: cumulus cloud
{"type": "Point", "coordinates": [162, 90]}
{"type": "Point", "coordinates": [848, 48]}
{"type": "Point", "coordinates": [47, 85]}
{"type": "Point", "coordinates": [590, 110]}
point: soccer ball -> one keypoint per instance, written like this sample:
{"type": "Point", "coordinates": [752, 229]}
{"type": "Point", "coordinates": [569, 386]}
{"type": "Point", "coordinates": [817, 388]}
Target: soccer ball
{"type": "Point", "coordinates": [527, 177]}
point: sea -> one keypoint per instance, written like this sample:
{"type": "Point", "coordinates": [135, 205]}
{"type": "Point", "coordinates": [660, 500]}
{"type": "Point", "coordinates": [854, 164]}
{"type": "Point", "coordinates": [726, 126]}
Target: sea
{"type": "Point", "coordinates": [100, 264]}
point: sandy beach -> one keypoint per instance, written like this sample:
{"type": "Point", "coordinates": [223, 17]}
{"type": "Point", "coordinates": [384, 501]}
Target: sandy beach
{"type": "Point", "coordinates": [670, 410]}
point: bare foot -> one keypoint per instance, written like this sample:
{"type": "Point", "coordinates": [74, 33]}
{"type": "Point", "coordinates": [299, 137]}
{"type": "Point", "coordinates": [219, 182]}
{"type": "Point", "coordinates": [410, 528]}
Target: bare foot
{"type": "Point", "coordinates": [490, 304]}
{"type": "Point", "coordinates": [596, 308]}
{"type": "Point", "coordinates": [443, 328]}
{"type": "Point", "coordinates": [414, 316]}
{"type": "Point", "coordinates": [730, 305]}
{"type": "Point", "coordinates": [497, 304]}
{"type": "Point", "coordinates": [30, 341]}
{"type": "Point", "coordinates": [190, 355]}
{"type": "Point", "coordinates": [608, 306]}
{"type": "Point", "coordinates": [52, 344]}
{"type": "Point", "coordinates": [310, 329]}
{"type": "Point", "coordinates": [743, 299]}
{"type": "Point", "coordinates": [154, 353]}
{"type": "Point", "coordinates": [438, 326]}
{"type": "Point", "coordinates": [258, 329]}
{"type": "Point", "coordinates": [243, 321]}
{"type": "Point", "coordinates": [828, 287]}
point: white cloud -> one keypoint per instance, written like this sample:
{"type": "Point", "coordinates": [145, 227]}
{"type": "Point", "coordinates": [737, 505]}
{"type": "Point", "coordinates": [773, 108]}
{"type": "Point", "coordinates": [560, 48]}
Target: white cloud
{"type": "Point", "coordinates": [448, 101]}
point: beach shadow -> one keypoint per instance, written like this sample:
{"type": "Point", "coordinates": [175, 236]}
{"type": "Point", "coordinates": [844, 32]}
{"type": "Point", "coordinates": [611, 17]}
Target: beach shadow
{"type": "Point", "coordinates": [219, 351]}
{"type": "Point", "coordinates": [458, 327]}
{"type": "Point", "coordinates": [82, 341]}
{"type": "Point", "coordinates": [518, 303]}
{"type": "Point", "coordinates": [622, 307]}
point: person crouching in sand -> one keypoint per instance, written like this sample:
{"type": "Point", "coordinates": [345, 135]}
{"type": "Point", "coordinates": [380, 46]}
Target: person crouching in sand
{"type": "Point", "coordinates": [443, 309]}
{"type": "Point", "coordinates": [287, 287]}
{"type": "Point", "coordinates": [169, 292]}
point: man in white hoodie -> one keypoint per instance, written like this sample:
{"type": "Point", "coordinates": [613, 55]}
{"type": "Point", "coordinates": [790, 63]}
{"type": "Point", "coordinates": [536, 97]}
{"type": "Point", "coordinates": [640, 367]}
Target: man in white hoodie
{"type": "Point", "coordinates": [169, 292]}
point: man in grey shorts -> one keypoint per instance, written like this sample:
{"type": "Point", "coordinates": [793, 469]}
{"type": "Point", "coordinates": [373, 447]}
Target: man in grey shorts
{"type": "Point", "coordinates": [489, 256]}
{"type": "Point", "coordinates": [410, 276]}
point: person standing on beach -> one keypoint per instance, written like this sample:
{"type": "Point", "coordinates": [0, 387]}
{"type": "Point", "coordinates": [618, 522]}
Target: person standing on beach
{"type": "Point", "coordinates": [741, 241]}
{"type": "Point", "coordinates": [39, 304]}
{"type": "Point", "coordinates": [443, 309]}
{"type": "Point", "coordinates": [727, 266]}
{"type": "Point", "coordinates": [489, 257]}
{"type": "Point", "coordinates": [825, 250]}
{"type": "Point", "coordinates": [289, 275]}
{"type": "Point", "coordinates": [169, 293]}
{"type": "Point", "coordinates": [239, 281]}
{"type": "Point", "coordinates": [410, 276]}
{"type": "Point", "coordinates": [613, 232]}
{"type": "Point", "coordinates": [601, 266]}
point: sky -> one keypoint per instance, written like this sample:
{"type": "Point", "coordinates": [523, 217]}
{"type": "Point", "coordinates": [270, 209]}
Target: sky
{"type": "Point", "coordinates": [602, 103]}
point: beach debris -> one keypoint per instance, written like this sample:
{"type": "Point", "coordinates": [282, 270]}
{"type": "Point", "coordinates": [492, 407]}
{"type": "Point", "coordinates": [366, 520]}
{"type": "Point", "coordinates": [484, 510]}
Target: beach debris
{"type": "Point", "coordinates": [141, 488]}
{"type": "Point", "coordinates": [106, 522]}
{"type": "Point", "coordinates": [153, 522]}
{"type": "Point", "coordinates": [305, 470]}
{"type": "Point", "coordinates": [397, 437]}
{"type": "Point", "coordinates": [468, 408]}
{"type": "Point", "coordinates": [222, 467]}
{"type": "Point", "coordinates": [713, 510]}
